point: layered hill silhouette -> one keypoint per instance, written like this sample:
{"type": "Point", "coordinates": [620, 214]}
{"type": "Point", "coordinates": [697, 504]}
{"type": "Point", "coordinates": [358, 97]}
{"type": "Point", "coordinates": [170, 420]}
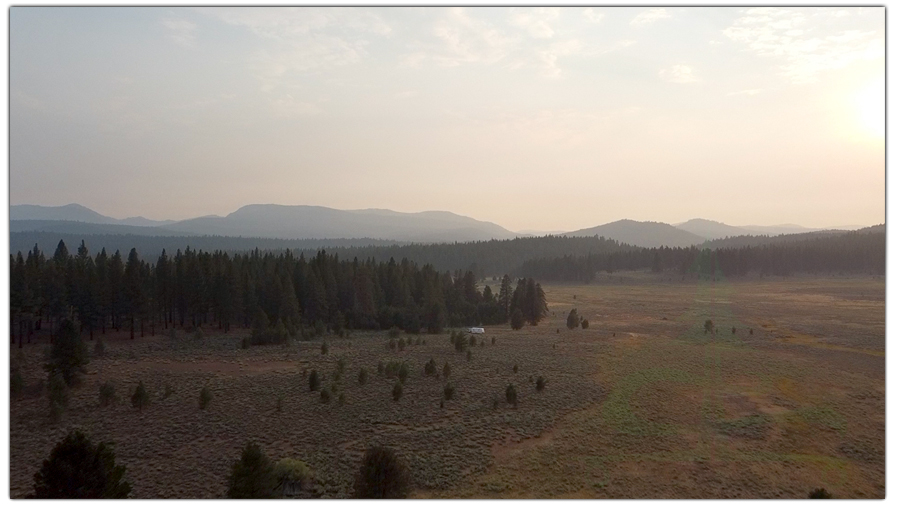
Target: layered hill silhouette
{"type": "Point", "coordinates": [76, 212]}
{"type": "Point", "coordinates": [642, 233]}
{"type": "Point", "coordinates": [294, 222]}
{"type": "Point", "coordinates": [272, 221]}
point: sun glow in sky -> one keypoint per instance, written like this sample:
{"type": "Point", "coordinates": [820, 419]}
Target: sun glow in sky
{"type": "Point", "coordinates": [870, 103]}
{"type": "Point", "coordinates": [533, 118]}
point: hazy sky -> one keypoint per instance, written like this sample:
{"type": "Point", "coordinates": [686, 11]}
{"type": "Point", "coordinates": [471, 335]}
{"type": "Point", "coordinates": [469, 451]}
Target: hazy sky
{"type": "Point", "coordinates": [549, 119]}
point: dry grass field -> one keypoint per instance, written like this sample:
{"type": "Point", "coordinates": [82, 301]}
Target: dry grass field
{"type": "Point", "coordinates": [642, 404]}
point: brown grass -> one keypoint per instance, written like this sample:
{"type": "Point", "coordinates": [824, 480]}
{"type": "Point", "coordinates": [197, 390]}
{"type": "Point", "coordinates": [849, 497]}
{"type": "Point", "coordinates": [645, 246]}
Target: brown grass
{"type": "Point", "coordinates": [658, 411]}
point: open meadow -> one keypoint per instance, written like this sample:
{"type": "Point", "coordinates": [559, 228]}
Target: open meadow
{"type": "Point", "coordinates": [641, 404]}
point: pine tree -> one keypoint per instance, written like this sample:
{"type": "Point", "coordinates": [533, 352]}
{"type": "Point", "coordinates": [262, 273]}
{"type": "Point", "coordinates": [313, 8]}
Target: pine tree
{"type": "Point", "coordinates": [68, 355]}
{"type": "Point", "coordinates": [253, 475]}
{"type": "Point", "coordinates": [78, 469]}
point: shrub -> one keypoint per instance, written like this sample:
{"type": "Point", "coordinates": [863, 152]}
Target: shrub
{"type": "Point", "coordinates": [263, 333]}
{"type": "Point", "coordinates": [418, 341]}
{"type": "Point", "coordinates": [446, 370]}
{"type": "Point", "coordinates": [472, 340]}
{"type": "Point", "coordinates": [363, 376]}
{"type": "Point", "coordinates": [452, 337]}
{"type": "Point", "coordinates": [751, 331]}
{"type": "Point", "coordinates": [391, 369]}
{"type": "Point", "coordinates": [290, 472]}
{"type": "Point", "coordinates": [495, 403]}
{"type": "Point", "coordinates": [78, 469]}
{"type": "Point", "coordinates": [530, 379]}
{"type": "Point", "coordinates": [392, 344]}
{"type": "Point", "coordinates": [198, 335]}
{"type": "Point", "coordinates": [449, 392]}
{"type": "Point", "coordinates": [401, 344]}
{"type": "Point", "coordinates": [460, 342]}
{"type": "Point", "coordinates": [430, 367]}
{"type": "Point", "coordinates": [394, 332]}
{"type": "Point", "coordinates": [511, 395]}
{"type": "Point", "coordinates": [314, 381]}
{"type": "Point", "coordinates": [584, 324]}
{"type": "Point", "coordinates": [380, 368]}
{"type": "Point", "coordinates": [324, 347]}
{"type": "Point", "coordinates": [572, 319]}
{"type": "Point", "coordinates": [820, 493]}
{"type": "Point", "coordinates": [107, 394]}
{"type": "Point", "coordinates": [205, 397]}
{"type": "Point", "coordinates": [493, 341]}
{"type": "Point", "coordinates": [341, 366]}
{"type": "Point", "coordinates": [279, 403]}
{"type": "Point", "coordinates": [397, 392]}
{"type": "Point", "coordinates": [482, 343]}
{"type": "Point", "coordinates": [16, 384]}
{"type": "Point", "coordinates": [708, 326]}
{"type": "Point", "coordinates": [409, 341]}
{"type": "Point", "coordinates": [516, 319]}
{"type": "Point", "coordinates": [245, 343]}
{"type": "Point", "coordinates": [253, 475]}
{"type": "Point", "coordinates": [99, 348]}
{"type": "Point", "coordinates": [341, 399]}
{"type": "Point", "coordinates": [540, 383]}
{"type": "Point", "coordinates": [59, 394]}
{"type": "Point", "coordinates": [168, 391]}
{"type": "Point", "coordinates": [325, 396]}
{"type": "Point", "coordinates": [382, 474]}
{"type": "Point", "coordinates": [140, 399]}
{"type": "Point", "coordinates": [68, 355]}
{"type": "Point", "coordinates": [403, 372]}
{"type": "Point", "coordinates": [468, 355]}
{"type": "Point", "coordinates": [515, 368]}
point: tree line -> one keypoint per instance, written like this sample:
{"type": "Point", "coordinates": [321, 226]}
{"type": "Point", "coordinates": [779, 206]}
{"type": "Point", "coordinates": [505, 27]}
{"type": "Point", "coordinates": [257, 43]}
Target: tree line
{"type": "Point", "coordinates": [483, 258]}
{"type": "Point", "coordinates": [861, 251]}
{"type": "Point", "coordinates": [277, 295]}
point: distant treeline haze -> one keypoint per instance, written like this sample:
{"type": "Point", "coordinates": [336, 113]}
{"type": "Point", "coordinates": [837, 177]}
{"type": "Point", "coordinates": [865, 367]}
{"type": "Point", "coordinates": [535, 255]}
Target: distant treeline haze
{"type": "Point", "coordinates": [852, 252]}
{"type": "Point", "coordinates": [278, 295]}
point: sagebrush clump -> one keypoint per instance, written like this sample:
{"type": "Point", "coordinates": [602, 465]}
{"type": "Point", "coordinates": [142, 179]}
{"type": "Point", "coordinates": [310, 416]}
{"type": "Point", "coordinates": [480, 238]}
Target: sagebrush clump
{"type": "Point", "coordinates": [511, 395]}
{"type": "Point", "coordinates": [205, 398]}
{"type": "Point", "coordinates": [140, 399]}
{"type": "Point", "coordinates": [107, 394]}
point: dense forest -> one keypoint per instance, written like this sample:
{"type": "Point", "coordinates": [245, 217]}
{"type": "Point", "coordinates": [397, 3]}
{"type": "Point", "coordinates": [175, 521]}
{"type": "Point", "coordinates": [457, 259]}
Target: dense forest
{"type": "Point", "coordinates": [483, 258]}
{"type": "Point", "coordinates": [151, 246]}
{"type": "Point", "coordinates": [278, 295]}
{"type": "Point", "coordinates": [862, 251]}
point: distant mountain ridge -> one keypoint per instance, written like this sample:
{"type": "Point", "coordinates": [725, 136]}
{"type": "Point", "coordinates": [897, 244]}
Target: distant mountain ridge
{"type": "Point", "coordinates": [76, 212]}
{"type": "Point", "coordinates": [648, 234]}
{"type": "Point", "coordinates": [277, 221]}
{"type": "Point", "coordinates": [316, 222]}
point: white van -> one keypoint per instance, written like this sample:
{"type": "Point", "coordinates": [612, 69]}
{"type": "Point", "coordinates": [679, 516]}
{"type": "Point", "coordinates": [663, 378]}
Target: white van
{"type": "Point", "coordinates": [476, 330]}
